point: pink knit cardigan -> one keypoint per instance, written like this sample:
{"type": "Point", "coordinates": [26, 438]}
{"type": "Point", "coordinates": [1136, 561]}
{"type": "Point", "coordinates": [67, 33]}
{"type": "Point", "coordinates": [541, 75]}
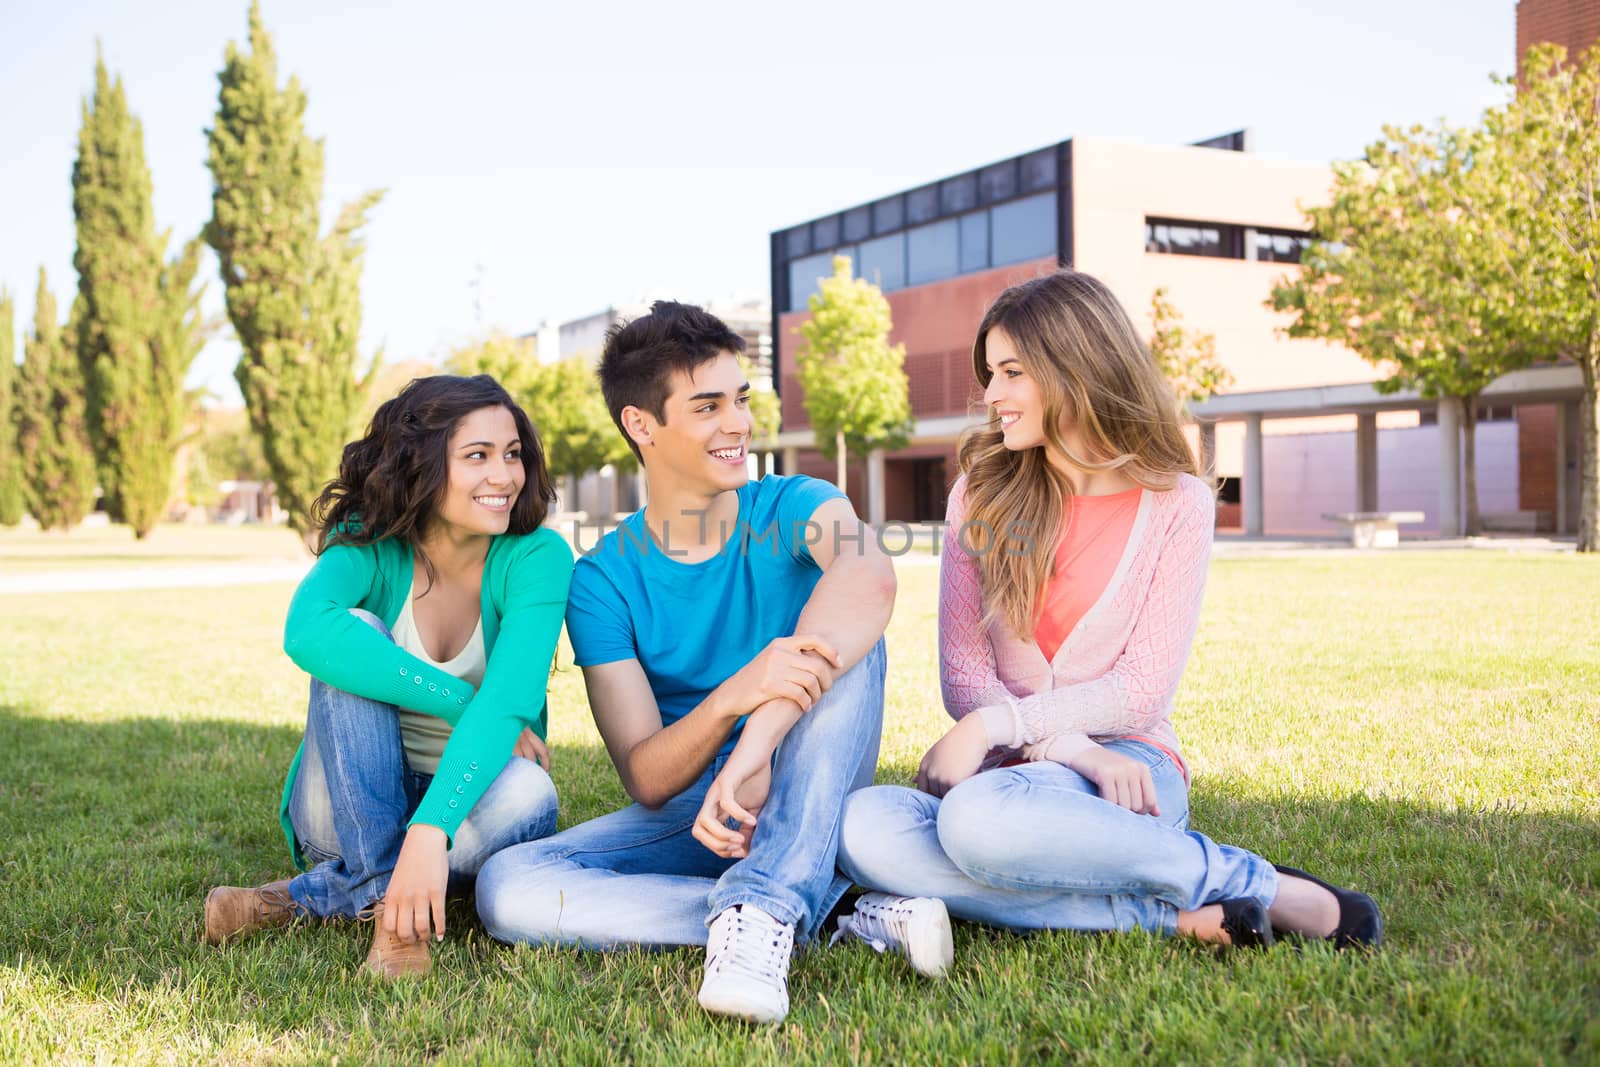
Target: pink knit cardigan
{"type": "Point", "coordinates": [1117, 672]}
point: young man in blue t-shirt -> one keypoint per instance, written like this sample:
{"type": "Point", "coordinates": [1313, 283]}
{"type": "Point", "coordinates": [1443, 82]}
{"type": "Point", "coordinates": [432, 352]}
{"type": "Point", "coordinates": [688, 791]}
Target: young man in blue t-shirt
{"type": "Point", "coordinates": [730, 635]}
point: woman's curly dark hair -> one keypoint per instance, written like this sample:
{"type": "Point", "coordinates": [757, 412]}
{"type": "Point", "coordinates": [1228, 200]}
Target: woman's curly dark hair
{"type": "Point", "coordinates": [391, 480]}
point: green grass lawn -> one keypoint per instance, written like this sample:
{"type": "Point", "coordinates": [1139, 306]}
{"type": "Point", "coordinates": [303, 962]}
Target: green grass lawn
{"type": "Point", "coordinates": [1421, 726]}
{"type": "Point", "coordinates": [168, 545]}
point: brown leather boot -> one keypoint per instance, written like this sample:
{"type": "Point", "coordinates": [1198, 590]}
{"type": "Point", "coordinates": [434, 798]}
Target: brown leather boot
{"type": "Point", "coordinates": [390, 957]}
{"type": "Point", "coordinates": [239, 911]}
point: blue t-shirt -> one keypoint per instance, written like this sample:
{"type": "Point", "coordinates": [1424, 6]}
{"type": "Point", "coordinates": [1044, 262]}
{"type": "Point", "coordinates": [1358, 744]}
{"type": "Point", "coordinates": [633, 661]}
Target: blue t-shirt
{"type": "Point", "coordinates": [691, 626]}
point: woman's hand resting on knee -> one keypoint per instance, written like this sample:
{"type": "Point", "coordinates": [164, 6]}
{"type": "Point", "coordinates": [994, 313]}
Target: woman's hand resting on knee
{"type": "Point", "coordinates": [415, 900]}
{"type": "Point", "coordinates": [955, 757]}
{"type": "Point", "coordinates": [1121, 779]}
{"type": "Point", "coordinates": [530, 747]}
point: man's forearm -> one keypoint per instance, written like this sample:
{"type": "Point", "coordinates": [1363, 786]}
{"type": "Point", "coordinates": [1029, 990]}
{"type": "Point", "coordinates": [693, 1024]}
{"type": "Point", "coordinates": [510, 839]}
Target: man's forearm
{"type": "Point", "coordinates": [669, 760]}
{"type": "Point", "coordinates": [850, 606]}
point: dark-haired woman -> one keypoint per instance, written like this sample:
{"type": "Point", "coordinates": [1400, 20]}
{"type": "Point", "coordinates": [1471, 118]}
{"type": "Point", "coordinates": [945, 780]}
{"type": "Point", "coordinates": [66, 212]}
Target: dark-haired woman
{"type": "Point", "coordinates": [428, 625]}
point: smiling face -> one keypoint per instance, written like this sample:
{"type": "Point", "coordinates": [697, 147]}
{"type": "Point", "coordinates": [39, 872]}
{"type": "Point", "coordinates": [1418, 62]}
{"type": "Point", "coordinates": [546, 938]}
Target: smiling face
{"type": "Point", "coordinates": [486, 473]}
{"type": "Point", "coordinates": [703, 442]}
{"type": "Point", "coordinates": [1013, 394]}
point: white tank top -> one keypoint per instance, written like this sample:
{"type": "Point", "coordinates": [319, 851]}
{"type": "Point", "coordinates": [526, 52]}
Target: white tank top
{"type": "Point", "coordinates": [424, 736]}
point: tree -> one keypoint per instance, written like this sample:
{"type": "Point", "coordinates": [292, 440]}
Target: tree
{"type": "Point", "coordinates": [52, 430]}
{"type": "Point", "coordinates": [13, 501]}
{"type": "Point", "coordinates": [562, 399]}
{"type": "Point", "coordinates": [1188, 358]}
{"type": "Point", "coordinates": [766, 410]}
{"type": "Point", "coordinates": [293, 295]}
{"type": "Point", "coordinates": [139, 320]}
{"type": "Point", "coordinates": [854, 380]}
{"type": "Point", "coordinates": [1540, 205]}
{"type": "Point", "coordinates": [1402, 276]}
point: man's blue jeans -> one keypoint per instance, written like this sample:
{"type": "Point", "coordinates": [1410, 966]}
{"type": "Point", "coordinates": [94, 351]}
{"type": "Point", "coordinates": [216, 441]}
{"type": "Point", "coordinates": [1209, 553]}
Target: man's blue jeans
{"type": "Point", "coordinates": [638, 877]}
{"type": "Point", "coordinates": [1035, 847]}
{"type": "Point", "coordinates": [355, 793]}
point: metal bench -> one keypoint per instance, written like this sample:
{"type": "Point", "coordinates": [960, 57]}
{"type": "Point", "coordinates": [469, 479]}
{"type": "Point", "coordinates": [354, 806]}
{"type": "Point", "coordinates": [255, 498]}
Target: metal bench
{"type": "Point", "coordinates": [1374, 529]}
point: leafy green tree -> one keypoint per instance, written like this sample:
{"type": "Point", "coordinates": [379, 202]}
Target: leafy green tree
{"type": "Point", "coordinates": [293, 295]}
{"type": "Point", "coordinates": [1405, 279]}
{"type": "Point", "coordinates": [13, 500]}
{"type": "Point", "coordinates": [1538, 205]}
{"type": "Point", "coordinates": [52, 430]}
{"type": "Point", "coordinates": [139, 323]}
{"type": "Point", "coordinates": [766, 410]}
{"type": "Point", "coordinates": [854, 380]}
{"type": "Point", "coordinates": [1186, 356]}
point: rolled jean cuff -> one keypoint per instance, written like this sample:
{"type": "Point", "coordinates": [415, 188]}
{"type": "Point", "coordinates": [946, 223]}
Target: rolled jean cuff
{"type": "Point", "coordinates": [784, 913]}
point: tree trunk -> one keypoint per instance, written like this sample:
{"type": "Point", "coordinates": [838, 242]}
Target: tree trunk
{"type": "Point", "coordinates": [838, 444]}
{"type": "Point", "coordinates": [1473, 519]}
{"type": "Point", "coordinates": [1589, 451]}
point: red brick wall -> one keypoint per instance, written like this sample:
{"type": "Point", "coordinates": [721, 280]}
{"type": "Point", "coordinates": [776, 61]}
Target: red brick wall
{"type": "Point", "coordinates": [936, 323]}
{"type": "Point", "coordinates": [1572, 23]}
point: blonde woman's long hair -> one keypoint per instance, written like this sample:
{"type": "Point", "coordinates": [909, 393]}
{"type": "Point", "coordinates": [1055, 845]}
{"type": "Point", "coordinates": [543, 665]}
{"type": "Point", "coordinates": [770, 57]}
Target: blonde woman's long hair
{"type": "Point", "coordinates": [1094, 372]}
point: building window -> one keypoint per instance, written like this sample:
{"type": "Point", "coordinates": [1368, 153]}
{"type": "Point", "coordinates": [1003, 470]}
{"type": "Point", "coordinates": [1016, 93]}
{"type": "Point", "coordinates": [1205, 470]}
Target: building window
{"type": "Point", "coordinates": [797, 242]}
{"type": "Point", "coordinates": [804, 273]}
{"type": "Point", "coordinates": [1281, 246]}
{"type": "Point", "coordinates": [974, 241]}
{"type": "Point", "coordinates": [1022, 229]}
{"type": "Point", "coordinates": [888, 215]}
{"type": "Point", "coordinates": [922, 205]}
{"type": "Point", "coordinates": [857, 224]}
{"type": "Point", "coordinates": [883, 261]}
{"type": "Point", "coordinates": [958, 194]}
{"type": "Point", "coordinates": [933, 252]}
{"type": "Point", "coordinates": [998, 182]}
{"type": "Point", "coordinates": [825, 232]}
{"type": "Point", "coordinates": [1183, 238]}
{"type": "Point", "coordinates": [1039, 171]}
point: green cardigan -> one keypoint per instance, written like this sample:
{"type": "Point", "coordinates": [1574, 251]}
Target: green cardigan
{"type": "Point", "coordinates": [524, 599]}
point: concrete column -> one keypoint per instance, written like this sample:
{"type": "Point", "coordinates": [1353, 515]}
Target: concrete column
{"type": "Point", "coordinates": [1566, 419]}
{"type": "Point", "coordinates": [1449, 467]}
{"type": "Point", "coordinates": [639, 487]}
{"type": "Point", "coordinates": [791, 461]}
{"type": "Point", "coordinates": [1208, 449]}
{"type": "Point", "coordinates": [1367, 462]}
{"type": "Point", "coordinates": [1250, 491]}
{"type": "Point", "coordinates": [875, 487]}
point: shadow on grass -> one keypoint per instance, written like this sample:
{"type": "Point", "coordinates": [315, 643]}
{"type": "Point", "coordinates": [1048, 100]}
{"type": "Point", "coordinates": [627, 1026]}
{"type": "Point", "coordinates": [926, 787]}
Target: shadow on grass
{"type": "Point", "coordinates": [115, 830]}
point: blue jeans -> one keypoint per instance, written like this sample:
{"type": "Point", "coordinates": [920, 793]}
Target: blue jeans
{"type": "Point", "coordinates": [1035, 847]}
{"type": "Point", "coordinates": [638, 877]}
{"type": "Point", "coordinates": [354, 794]}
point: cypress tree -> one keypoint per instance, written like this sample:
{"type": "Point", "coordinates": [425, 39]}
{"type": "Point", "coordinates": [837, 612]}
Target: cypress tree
{"type": "Point", "coordinates": [52, 433]}
{"type": "Point", "coordinates": [293, 296]}
{"type": "Point", "coordinates": [139, 324]}
{"type": "Point", "coordinates": [12, 501]}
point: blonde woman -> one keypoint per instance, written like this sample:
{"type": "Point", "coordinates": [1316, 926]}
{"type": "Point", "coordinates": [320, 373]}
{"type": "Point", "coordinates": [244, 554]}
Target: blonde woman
{"type": "Point", "coordinates": [1072, 575]}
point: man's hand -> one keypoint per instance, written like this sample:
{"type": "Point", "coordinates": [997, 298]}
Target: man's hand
{"type": "Point", "coordinates": [954, 758]}
{"type": "Point", "coordinates": [416, 888]}
{"type": "Point", "coordinates": [1121, 779]}
{"type": "Point", "coordinates": [735, 793]}
{"type": "Point", "coordinates": [530, 747]}
{"type": "Point", "coordinates": [798, 668]}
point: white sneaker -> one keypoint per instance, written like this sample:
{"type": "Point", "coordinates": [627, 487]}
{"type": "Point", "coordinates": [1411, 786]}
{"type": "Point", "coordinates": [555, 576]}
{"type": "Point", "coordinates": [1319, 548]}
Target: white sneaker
{"type": "Point", "coordinates": [919, 927]}
{"type": "Point", "coordinates": [747, 965]}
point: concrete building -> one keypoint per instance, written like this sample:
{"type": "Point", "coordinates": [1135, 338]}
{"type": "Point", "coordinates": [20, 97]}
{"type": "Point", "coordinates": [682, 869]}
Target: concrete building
{"type": "Point", "coordinates": [1301, 431]}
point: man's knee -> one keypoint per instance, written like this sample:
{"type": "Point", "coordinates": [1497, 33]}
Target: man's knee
{"type": "Point", "coordinates": [512, 903]}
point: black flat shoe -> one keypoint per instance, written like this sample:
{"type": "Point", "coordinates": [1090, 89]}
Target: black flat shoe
{"type": "Point", "coordinates": [1360, 924]}
{"type": "Point", "coordinates": [1245, 920]}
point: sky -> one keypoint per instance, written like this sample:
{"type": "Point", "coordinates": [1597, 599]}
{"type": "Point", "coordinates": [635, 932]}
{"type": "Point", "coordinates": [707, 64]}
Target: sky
{"type": "Point", "coordinates": [543, 159]}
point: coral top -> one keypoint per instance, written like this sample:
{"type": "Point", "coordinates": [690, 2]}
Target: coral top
{"type": "Point", "coordinates": [1117, 669]}
{"type": "Point", "coordinates": [1090, 548]}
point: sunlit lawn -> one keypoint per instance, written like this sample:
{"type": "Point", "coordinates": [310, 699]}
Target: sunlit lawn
{"type": "Point", "coordinates": [103, 547]}
{"type": "Point", "coordinates": [1423, 726]}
